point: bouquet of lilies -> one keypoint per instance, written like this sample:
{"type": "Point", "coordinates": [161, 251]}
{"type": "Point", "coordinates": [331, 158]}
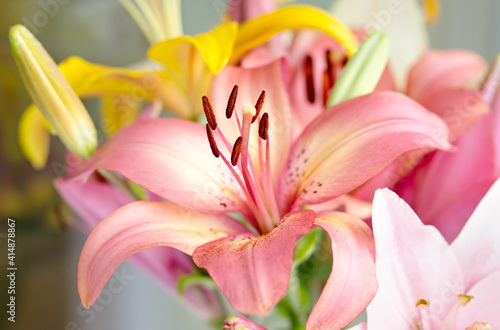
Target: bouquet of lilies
{"type": "Point", "coordinates": [262, 162]}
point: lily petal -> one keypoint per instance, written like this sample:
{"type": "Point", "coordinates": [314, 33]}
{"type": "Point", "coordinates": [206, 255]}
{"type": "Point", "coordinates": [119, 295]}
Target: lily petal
{"type": "Point", "coordinates": [482, 231]}
{"type": "Point", "coordinates": [413, 262]}
{"type": "Point", "coordinates": [215, 47]}
{"type": "Point", "coordinates": [484, 306]}
{"type": "Point", "coordinates": [460, 108]}
{"type": "Point", "coordinates": [139, 226]}
{"type": "Point", "coordinates": [351, 142]}
{"type": "Point", "coordinates": [251, 83]}
{"type": "Point", "coordinates": [352, 283]}
{"type": "Point", "coordinates": [257, 31]}
{"type": "Point", "coordinates": [172, 158]}
{"type": "Point", "coordinates": [89, 79]}
{"type": "Point", "coordinates": [34, 138]}
{"type": "Point", "coordinates": [446, 187]}
{"type": "Point", "coordinates": [445, 69]}
{"type": "Point", "coordinates": [92, 201]}
{"type": "Point", "coordinates": [253, 272]}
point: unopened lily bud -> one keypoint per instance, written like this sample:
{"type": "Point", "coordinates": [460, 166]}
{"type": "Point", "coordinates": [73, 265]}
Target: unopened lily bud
{"type": "Point", "coordinates": [52, 93]}
{"type": "Point", "coordinates": [363, 71]}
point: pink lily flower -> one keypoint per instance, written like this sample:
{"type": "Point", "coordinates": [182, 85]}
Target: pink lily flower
{"type": "Point", "coordinates": [445, 188]}
{"type": "Point", "coordinates": [426, 283]}
{"type": "Point", "coordinates": [252, 166]}
{"type": "Point", "coordinates": [95, 199]}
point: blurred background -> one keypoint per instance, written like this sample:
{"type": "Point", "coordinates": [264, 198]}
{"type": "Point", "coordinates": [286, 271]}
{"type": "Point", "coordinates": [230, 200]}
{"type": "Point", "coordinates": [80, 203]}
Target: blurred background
{"type": "Point", "coordinates": [47, 251]}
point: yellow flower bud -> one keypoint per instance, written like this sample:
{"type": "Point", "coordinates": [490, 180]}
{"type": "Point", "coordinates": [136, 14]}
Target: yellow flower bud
{"type": "Point", "coordinates": [52, 93]}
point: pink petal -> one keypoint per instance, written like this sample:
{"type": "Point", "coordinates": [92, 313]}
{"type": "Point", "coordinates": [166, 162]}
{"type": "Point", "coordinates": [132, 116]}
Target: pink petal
{"type": "Point", "coordinates": [413, 262]}
{"type": "Point", "coordinates": [444, 69]}
{"type": "Point", "coordinates": [460, 108]}
{"type": "Point", "coordinates": [478, 247]}
{"type": "Point", "coordinates": [139, 226]}
{"type": "Point", "coordinates": [251, 83]}
{"type": "Point", "coordinates": [253, 272]}
{"type": "Point", "coordinates": [445, 189]}
{"type": "Point", "coordinates": [350, 143]}
{"type": "Point", "coordinates": [352, 284]}
{"type": "Point", "coordinates": [484, 306]}
{"type": "Point", "coordinates": [240, 323]}
{"type": "Point", "coordinates": [92, 201]}
{"type": "Point", "coordinates": [171, 158]}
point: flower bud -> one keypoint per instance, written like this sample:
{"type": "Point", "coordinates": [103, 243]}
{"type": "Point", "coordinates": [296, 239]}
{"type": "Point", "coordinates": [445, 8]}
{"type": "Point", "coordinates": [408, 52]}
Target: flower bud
{"type": "Point", "coordinates": [52, 93]}
{"type": "Point", "coordinates": [363, 71]}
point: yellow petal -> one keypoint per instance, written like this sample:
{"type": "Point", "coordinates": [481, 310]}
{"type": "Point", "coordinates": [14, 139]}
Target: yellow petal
{"type": "Point", "coordinates": [432, 9]}
{"type": "Point", "coordinates": [118, 112]}
{"type": "Point", "coordinates": [88, 79]}
{"type": "Point", "coordinates": [257, 31]}
{"type": "Point", "coordinates": [34, 138]}
{"type": "Point", "coordinates": [215, 48]}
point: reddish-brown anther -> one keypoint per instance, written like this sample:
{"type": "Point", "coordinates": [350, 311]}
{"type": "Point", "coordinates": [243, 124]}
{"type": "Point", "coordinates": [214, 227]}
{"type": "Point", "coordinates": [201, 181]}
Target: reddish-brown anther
{"type": "Point", "coordinates": [231, 102]}
{"type": "Point", "coordinates": [264, 126]}
{"type": "Point", "coordinates": [258, 105]}
{"type": "Point", "coordinates": [211, 140]}
{"type": "Point", "coordinates": [235, 155]}
{"type": "Point", "coordinates": [308, 70]}
{"type": "Point", "coordinates": [209, 113]}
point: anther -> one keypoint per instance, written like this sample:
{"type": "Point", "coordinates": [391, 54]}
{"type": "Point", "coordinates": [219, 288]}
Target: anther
{"type": "Point", "coordinates": [308, 70]}
{"type": "Point", "coordinates": [211, 140]}
{"type": "Point", "coordinates": [327, 85]}
{"type": "Point", "coordinates": [264, 126]}
{"type": "Point", "coordinates": [235, 155]}
{"type": "Point", "coordinates": [231, 102]}
{"type": "Point", "coordinates": [330, 66]}
{"type": "Point", "coordinates": [258, 105]}
{"type": "Point", "coordinates": [209, 113]}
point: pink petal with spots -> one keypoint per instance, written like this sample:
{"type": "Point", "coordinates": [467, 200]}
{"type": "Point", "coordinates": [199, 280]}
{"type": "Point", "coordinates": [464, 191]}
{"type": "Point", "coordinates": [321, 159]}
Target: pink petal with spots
{"type": "Point", "coordinates": [253, 271]}
{"type": "Point", "coordinates": [172, 158]}
{"type": "Point", "coordinates": [353, 141]}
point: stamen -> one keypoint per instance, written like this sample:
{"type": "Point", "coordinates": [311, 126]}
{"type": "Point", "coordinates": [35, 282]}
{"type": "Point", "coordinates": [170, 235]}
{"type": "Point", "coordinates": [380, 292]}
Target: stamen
{"type": "Point", "coordinates": [235, 155]}
{"type": "Point", "coordinates": [209, 113]}
{"type": "Point", "coordinates": [211, 140]}
{"type": "Point", "coordinates": [258, 105]}
{"type": "Point", "coordinates": [308, 70]}
{"type": "Point", "coordinates": [326, 86]}
{"type": "Point", "coordinates": [264, 126]}
{"type": "Point", "coordinates": [231, 102]}
{"type": "Point", "coordinates": [330, 66]}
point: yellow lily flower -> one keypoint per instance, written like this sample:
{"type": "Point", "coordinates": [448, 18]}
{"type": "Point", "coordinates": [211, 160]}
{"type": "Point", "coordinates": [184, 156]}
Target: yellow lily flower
{"type": "Point", "coordinates": [189, 63]}
{"type": "Point", "coordinates": [53, 95]}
